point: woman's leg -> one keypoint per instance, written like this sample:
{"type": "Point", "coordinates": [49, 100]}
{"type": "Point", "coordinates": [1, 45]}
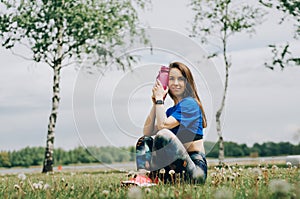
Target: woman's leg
{"type": "Point", "coordinates": [168, 149]}
{"type": "Point", "coordinates": [143, 152]}
{"type": "Point", "coordinates": [200, 161]}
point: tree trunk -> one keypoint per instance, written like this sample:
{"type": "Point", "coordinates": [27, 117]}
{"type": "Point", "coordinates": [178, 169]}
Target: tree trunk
{"type": "Point", "coordinates": [57, 65]}
{"type": "Point", "coordinates": [218, 117]}
{"type": "Point", "coordinates": [48, 161]}
{"type": "Point", "coordinates": [221, 150]}
{"type": "Point", "coordinates": [220, 111]}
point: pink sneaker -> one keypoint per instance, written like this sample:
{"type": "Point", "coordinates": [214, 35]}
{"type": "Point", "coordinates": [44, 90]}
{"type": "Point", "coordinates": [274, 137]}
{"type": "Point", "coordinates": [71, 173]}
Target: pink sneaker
{"type": "Point", "coordinates": [139, 180]}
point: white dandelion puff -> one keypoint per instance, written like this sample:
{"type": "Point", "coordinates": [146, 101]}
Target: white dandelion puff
{"type": "Point", "coordinates": [171, 172]}
{"type": "Point", "coordinates": [289, 164]}
{"type": "Point", "coordinates": [22, 176]}
{"type": "Point", "coordinates": [135, 193]}
{"type": "Point", "coordinates": [46, 186]}
{"type": "Point", "coordinates": [35, 185]}
{"type": "Point", "coordinates": [105, 192]}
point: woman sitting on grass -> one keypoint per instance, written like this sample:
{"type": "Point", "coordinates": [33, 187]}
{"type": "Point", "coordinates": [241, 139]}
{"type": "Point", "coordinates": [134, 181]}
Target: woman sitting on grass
{"type": "Point", "coordinates": [178, 132]}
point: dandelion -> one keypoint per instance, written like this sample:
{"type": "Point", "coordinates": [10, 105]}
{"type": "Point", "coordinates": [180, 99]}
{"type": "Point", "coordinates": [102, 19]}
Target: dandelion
{"type": "Point", "coordinates": [135, 193]}
{"type": "Point", "coordinates": [274, 168]}
{"type": "Point", "coordinates": [213, 174]}
{"type": "Point", "coordinates": [162, 171]}
{"type": "Point", "coordinates": [105, 193]}
{"type": "Point", "coordinates": [223, 193]}
{"type": "Point", "coordinates": [279, 187]}
{"type": "Point", "coordinates": [289, 164]}
{"type": "Point", "coordinates": [17, 187]}
{"type": "Point", "coordinates": [172, 172]}
{"type": "Point", "coordinates": [266, 175]}
{"type": "Point", "coordinates": [232, 178]}
{"type": "Point", "coordinates": [223, 170]}
{"type": "Point", "coordinates": [22, 176]}
{"type": "Point", "coordinates": [256, 172]}
{"type": "Point", "coordinates": [35, 186]}
{"type": "Point", "coordinates": [46, 186]}
{"type": "Point", "coordinates": [130, 174]}
{"type": "Point", "coordinates": [147, 190]}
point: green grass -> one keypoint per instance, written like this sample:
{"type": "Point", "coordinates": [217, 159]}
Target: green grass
{"type": "Point", "coordinates": [227, 182]}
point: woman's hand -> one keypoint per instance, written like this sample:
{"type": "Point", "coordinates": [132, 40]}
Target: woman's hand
{"type": "Point", "coordinates": [158, 92]}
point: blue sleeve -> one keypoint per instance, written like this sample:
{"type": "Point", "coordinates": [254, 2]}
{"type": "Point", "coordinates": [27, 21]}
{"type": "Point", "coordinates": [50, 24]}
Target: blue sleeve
{"type": "Point", "coordinates": [187, 113]}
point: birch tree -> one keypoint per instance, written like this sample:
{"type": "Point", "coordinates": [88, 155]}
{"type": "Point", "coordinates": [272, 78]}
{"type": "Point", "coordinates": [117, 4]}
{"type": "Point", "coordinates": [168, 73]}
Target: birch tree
{"type": "Point", "coordinates": [58, 31]}
{"type": "Point", "coordinates": [215, 21]}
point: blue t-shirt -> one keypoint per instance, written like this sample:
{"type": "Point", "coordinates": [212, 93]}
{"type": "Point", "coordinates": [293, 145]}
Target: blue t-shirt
{"type": "Point", "coordinates": [188, 113]}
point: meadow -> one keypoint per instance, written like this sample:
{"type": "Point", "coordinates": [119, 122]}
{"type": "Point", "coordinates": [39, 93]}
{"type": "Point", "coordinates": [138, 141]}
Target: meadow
{"type": "Point", "coordinates": [234, 181]}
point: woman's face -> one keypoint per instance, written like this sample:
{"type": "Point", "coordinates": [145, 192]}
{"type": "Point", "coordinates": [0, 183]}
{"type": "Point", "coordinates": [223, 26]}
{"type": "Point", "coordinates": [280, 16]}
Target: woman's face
{"type": "Point", "coordinates": [176, 83]}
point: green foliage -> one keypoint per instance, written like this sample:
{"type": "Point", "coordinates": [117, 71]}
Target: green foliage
{"type": "Point", "coordinates": [266, 149]}
{"type": "Point", "coordinates": [31, 156]}
{"type": "Point", "coordinates": [4, 159]}
{"type": "Point", "coordinates": [74, 27]}
{"type": "Point", "coordinates": [61, 31]}
{"type": "Point", "coordinates": [281, 56]}
{"type": "Point", "coordinates": [220, 19]}
{"type": "Point", "coordinates": [228, 182]}
{"type": "Point", "coordinates": [28, 156]}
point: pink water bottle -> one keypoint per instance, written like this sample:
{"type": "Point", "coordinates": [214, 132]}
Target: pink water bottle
{"type": "Point", "coordinates": [163, 76]}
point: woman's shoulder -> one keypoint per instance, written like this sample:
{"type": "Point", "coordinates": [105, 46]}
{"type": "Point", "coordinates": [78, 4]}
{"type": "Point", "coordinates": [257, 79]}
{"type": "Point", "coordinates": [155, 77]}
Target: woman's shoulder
{"type": "Point", "coordinates": [189, 101]}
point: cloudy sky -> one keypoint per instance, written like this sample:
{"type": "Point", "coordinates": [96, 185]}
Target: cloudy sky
{"type": "Point", "coordinates": [262, 105]}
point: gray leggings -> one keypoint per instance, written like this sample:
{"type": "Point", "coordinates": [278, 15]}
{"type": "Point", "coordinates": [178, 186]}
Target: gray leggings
{"type": "Point", "coordinates": [166, 151]}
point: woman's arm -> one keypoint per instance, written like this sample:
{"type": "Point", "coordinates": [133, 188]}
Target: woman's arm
{"type": "Point", "coordinates": [149, 126]}
{"type": "Point", "coordinates": [162, 121]}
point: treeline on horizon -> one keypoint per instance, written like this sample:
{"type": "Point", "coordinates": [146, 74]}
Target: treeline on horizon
{"type": "Point", "coordinates": [33, 156]}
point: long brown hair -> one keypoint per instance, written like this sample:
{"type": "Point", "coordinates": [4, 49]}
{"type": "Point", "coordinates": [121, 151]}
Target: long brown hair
{"type": "Point", "coordinates": [190, 89]}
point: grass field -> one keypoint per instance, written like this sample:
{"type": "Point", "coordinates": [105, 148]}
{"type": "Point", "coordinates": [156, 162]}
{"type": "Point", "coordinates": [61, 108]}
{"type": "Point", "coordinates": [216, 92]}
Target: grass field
{"type": "Point", "coordinates": [266, 181]}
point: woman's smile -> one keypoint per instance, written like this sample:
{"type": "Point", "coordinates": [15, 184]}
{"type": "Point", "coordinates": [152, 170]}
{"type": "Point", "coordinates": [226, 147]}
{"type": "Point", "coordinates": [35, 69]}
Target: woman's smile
{"type": "Point", "coordinates": [176, 83]}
